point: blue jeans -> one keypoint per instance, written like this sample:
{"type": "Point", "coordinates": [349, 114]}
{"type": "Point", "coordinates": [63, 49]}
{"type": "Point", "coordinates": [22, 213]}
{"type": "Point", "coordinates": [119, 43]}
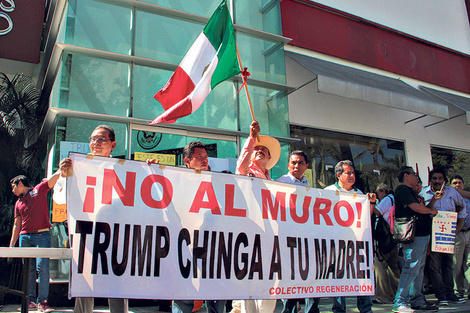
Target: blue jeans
{"type": "Point", "coordinates": [410, 287]}
{"type": "Point", "coordinates": [364, 304]}
{"type": "Point", "coordinates": [41, 265]}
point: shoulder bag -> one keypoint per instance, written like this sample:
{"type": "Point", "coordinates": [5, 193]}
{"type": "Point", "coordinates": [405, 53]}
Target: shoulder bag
{"type": "Point", "coordinates": [404, 229]}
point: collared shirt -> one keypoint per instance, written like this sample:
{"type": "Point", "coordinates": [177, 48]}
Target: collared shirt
{"type": "Point", "coordinates": [290, 179]}
{"type": "Point", "coordinates": [244, 164]}
{"type": "Point", "coordinates": [449, 202]}
{"type": "Point", "coordinates": [33, 209]}
{"type": "Point", "coordinates": [466, 222]}
{"type": "Point", "coordinates": [385, 205]}
{"type": "Point", "coordinates": [336, 186]}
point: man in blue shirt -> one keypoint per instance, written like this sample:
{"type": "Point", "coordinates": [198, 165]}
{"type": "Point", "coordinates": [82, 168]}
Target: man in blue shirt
{"type": "Point", "coordinates": [462, 245]}
{"type": "Point", "coordinates": [345, 180]}
{"type": "Point", "coordinates": [441, 264]}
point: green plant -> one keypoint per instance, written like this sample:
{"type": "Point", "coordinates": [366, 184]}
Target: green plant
{"type": "Point", "coordinates": [20, 124]}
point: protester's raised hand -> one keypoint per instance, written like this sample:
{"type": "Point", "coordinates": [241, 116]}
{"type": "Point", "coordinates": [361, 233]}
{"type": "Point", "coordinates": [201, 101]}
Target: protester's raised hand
{"type": "Point", "coordinates": [438, 195]}
{"type": "Point", "coordinates": [254, 129]}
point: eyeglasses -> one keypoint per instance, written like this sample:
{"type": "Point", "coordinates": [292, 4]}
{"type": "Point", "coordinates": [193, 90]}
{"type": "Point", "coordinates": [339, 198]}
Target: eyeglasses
{"type": "Point", "coordinates": [349, 173]}
{"type": "Point", "coordinates": [412, 173]}
{"type": "Point", "coordinates": [99, 140]}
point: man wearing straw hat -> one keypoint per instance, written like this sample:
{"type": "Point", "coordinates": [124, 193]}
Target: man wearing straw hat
{"type": "Point", "coordinates": [441, 265]}
{"type": "Point", "coordinates": [259, 155]}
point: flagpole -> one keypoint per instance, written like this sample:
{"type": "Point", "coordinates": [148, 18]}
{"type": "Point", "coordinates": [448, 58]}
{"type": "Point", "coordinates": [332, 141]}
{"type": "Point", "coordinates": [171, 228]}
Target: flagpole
{"type": "Point", "coordinates": [246, 85]}
{"type": "Point", "coordinates": [246, 89]}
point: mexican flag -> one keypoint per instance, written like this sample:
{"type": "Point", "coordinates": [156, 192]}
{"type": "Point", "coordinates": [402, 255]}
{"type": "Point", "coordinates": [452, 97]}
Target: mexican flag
{"type": "Point", "coordinates": [211, 59]}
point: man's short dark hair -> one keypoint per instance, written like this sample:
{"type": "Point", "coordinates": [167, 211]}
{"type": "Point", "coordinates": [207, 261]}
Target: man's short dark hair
{"type": "Point", "coordinates": [112, 135]}
{"type": "Point", "coordinates": [299, 153]}
{"type": "Point", "coordinates": [339, 168]}
{"type": "Point", "coordinates": [404, 170]}
{"type": "Point", "coordinates": [20, 178]}
{"type": "Point", "coordinates": [188, 151]}
{"type": "Point", "coordinates": [438, 171]}
{"type": "Point", "coordinates": [457, 177]}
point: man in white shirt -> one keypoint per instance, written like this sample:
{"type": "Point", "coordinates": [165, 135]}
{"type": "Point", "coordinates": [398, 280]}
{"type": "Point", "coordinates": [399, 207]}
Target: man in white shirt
{"type": "Point", "coordinates": [346, 177]}
{"type": "Point", "coordinates": [298, 164]}
{"type": "Point", "coordinates": [387, 272]}
{"type": "Point", "coordinates": [102, 143]}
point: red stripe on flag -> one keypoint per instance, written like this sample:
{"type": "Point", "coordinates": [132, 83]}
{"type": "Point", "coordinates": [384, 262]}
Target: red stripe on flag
{"type": "Point", "coordinates": [181, 109]}
{"type": "Point", "coordinates": [176, 89]}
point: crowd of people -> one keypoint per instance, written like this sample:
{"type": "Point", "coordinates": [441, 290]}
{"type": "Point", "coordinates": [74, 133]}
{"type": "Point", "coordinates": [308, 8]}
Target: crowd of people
{"type": "Point", "coordinates": [399, 268]}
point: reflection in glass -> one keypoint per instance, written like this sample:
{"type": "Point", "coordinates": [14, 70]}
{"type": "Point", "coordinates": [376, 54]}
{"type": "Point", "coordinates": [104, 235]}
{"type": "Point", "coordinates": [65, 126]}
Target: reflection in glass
{"type": "Point", "coordinates": [376, 160]}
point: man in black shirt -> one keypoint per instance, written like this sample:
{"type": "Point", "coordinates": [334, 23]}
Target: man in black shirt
{"type": "Point", "coordinates": [408, 204]}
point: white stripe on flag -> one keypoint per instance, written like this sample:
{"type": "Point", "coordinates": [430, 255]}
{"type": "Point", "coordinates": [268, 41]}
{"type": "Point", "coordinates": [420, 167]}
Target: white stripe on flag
{"type": "Point", "coordinates": [203, 88]}
{"type": "Point", "coordinates": [198, 57]}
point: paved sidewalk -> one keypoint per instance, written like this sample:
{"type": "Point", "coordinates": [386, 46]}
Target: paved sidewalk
{"type": "Point", "coordinates": [325, 306]}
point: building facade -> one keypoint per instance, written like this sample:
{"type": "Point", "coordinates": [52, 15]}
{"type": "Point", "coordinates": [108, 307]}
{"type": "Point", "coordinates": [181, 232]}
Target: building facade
{"type": "Point", "coordinates": [379, 83]}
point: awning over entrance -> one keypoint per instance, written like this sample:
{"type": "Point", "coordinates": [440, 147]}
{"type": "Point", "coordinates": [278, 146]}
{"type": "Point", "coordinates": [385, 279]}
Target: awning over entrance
{"type": "Point", "coordinates": [460, 102]}
{"type": "Point", "coordinates": [348, 82]}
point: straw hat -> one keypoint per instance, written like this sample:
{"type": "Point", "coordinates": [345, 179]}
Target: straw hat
{"type": "Point", "coordinates": [273, 146]}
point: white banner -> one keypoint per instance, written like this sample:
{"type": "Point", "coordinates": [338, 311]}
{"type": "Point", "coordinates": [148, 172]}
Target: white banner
{"type": "Point", "coordinates": [444, 226]}
{"type": "Point", "coordinates": [162, 232]}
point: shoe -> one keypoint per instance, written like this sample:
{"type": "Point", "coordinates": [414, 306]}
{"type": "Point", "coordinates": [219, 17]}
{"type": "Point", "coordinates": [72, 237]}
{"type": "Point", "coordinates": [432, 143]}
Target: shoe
{"type": "Point", "coordinates": [443, 303]}
{"type": "Point", "coordinates": [44, 307]}
{"type": "Point", "coordinates": [456, 299]}
{"type": "Point", "coordinates": [31, 307]}
{"type": "Point", "coordinates": [402, 309]}
{"type": "Point", "coordinates": [426, 307]}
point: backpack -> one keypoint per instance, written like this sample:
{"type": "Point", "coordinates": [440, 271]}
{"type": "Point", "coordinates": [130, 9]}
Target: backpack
{"type": "Point", "coordinates": [383, 238]}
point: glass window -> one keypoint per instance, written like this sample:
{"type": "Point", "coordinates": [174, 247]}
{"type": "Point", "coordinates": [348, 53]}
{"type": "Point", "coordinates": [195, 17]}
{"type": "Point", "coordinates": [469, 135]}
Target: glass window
{"type": "Point", "coordinates": [198, 7]}
{"type": "Point", "coordinates": [249, 14]}
{"type": "Point", "coordinates": [164, 38]}
{"type": "Point", "coordinates": [264, 59]}
{"type": "Point", "coordinates": [454, 162]}
{"type": "Point", "coordinates": [172, 146]}
{"type": "Point", "coordinates": [376, 160]}
{"type": "Point", "coordinates": [93, 85]}
{"type": "Point", "coordinates": [98, 25]}
{"type": "Point", "coordinates": [281, 166]}
{"type": "Point", "coordinates": [270, 109]}
{"type": "Point", "coordinates": [217, 111]}
{"type": "Point", "coordinates": [79, 130]}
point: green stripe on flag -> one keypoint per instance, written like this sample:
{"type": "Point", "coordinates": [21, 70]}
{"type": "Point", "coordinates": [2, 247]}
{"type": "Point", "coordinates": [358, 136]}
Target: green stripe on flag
{"type": "Point", "coordinates": [221, 34]}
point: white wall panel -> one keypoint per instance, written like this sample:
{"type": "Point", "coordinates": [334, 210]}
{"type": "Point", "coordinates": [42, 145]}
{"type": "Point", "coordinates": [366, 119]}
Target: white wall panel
{"type": "Point", "coordinates": [444, 22]}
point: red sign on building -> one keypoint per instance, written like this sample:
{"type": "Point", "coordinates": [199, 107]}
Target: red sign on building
{"type": "Point", "coordinates": [21, 29]}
